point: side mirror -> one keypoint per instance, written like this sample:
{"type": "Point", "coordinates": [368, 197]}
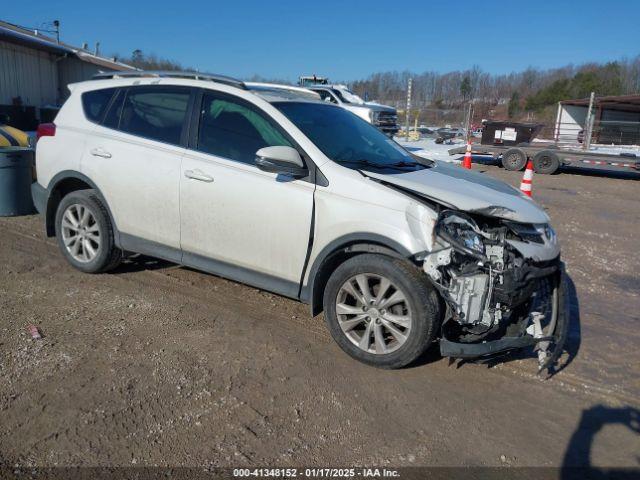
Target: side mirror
{"type": "Point", "coordinates": [281, 160]}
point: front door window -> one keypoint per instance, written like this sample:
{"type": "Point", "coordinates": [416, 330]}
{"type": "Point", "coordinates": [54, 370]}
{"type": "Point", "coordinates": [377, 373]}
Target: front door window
{"type": "Point", "coordinates": [234, 130]}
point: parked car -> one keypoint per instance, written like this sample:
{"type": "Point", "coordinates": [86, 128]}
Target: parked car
{"type": "Point", "coordinates": [477, 132]}
{"type": "Point", "coordinates": [447, 134]}
{"type": "Point", "coordinates": [450, 132]}
{"type": "Point", "coordinates": [382, 116]}
{"type": "Point", "coordinates": [302, 198]}
{"type": "Point", "coordinates": [426, 131]}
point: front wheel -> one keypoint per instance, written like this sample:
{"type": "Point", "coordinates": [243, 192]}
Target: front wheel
{"type": "Point", "coordinates": [381, 310]}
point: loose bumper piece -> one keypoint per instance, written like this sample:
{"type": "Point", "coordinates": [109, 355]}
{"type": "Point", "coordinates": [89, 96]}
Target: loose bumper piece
{"type": "Point", "coordinates": [549, 343]}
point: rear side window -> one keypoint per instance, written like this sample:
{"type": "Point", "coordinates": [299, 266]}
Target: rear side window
{"type": "Point", "coordinates": [112, 119]}
{"type": "Point", "coordinates": [156, 113]}
{"type": "Point", "coordinates": [233, 129]}
{"type": "Point", "coordinates": [95, 103]}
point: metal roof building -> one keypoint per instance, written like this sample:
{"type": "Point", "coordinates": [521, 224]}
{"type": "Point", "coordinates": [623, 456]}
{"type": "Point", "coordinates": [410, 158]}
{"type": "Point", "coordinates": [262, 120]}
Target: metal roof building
{"type": "Point", "coordinates": [616, 119]}
{"type": "Point", "coordinates": [35, 71]}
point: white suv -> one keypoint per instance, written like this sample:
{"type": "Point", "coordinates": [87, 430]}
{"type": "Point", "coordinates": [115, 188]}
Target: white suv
{"type": "Point", "coordinates": [293, 195]}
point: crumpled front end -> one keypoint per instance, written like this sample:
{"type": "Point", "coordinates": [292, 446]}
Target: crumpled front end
{"type": "Point", "coordinates": [502, 283]}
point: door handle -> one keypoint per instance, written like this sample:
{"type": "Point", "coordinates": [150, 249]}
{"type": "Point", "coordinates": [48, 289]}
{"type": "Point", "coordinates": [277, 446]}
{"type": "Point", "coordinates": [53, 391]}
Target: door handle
{"type": "Point", "coordinates": [99, 152]}
{"type": "Point", "coordinates": [198, 175]}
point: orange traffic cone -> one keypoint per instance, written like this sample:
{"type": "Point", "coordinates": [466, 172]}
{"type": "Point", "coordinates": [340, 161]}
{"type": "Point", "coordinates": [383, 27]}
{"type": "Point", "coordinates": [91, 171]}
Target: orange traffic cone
{"type": "Point", "coordinates": [466, 163]}
{"type": "Point", "coordinates": [525, 185]}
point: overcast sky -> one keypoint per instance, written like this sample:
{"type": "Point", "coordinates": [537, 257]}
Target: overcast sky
{"type": "Point", "coordinates": [348, 40]}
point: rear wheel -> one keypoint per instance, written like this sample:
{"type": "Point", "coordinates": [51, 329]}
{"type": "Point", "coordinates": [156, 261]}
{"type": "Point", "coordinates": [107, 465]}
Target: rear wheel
{"type": "Point", "coordinates": [85, 233]}
{"type": "Point", "coordinates": [381, 311]}
{"type": "Point", "coordinates": [546, 162]}
{"type": "Point", "coordinates": [514, 159]}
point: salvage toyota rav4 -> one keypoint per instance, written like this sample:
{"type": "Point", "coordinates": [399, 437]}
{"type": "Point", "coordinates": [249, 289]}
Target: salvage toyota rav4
{"type": "Point", "coordinates": [274, 188]}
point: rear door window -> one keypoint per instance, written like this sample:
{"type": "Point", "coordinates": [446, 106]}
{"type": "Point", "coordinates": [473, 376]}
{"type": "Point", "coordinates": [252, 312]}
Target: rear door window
{"type": "Point", "coordinates": [95, 103]}
{"type": "Point", "coordinates": [157, 113]}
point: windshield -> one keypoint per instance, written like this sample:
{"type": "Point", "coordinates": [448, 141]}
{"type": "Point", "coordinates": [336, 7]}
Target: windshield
{"type": "Point", "coordinates": [348, 96]}
{"type": "Point", "coordinates": [347, 139]}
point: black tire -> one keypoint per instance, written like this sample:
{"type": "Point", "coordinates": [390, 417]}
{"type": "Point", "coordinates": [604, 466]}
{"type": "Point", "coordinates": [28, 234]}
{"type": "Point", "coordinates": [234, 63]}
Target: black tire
{"type": "Point", "coordinates": [108, 256]}
{"type": "Point", "coordinates": [546, 162]}
{"type": "Point", "coordinates": [421, 297]}
{"type": "Point", "coordinates": [514, 159]}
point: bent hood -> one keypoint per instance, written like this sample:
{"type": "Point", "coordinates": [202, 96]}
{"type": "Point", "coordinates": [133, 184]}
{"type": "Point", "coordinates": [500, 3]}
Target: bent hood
{"type": "Point", "coordinates": [468, 191]}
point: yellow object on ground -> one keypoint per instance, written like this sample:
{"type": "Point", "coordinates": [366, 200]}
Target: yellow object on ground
{"type": "Point", "coordinates": [12, 137]}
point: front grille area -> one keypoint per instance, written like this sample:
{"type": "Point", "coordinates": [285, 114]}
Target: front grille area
{"type": "Point", "coordinates": [387, 121]}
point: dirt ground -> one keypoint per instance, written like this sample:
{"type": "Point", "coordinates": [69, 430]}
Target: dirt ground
{"type": "Point", "coordinates": [156, 364]}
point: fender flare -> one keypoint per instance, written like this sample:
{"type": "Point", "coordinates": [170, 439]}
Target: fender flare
{"type": "Point", "coordinates": [361, 242]}
{"type": "Point", "coordinates": [51, 192]}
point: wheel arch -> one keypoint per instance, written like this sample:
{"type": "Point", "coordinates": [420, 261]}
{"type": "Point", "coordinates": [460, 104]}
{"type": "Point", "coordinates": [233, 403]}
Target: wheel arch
{"type": "Point", "coordinates": [339, 250]}
{"type": "Point", "coordinates": [64, 183]}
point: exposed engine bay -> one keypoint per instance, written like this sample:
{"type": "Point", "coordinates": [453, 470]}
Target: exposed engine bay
{"type": "Point", "coordinates": [498, 293]}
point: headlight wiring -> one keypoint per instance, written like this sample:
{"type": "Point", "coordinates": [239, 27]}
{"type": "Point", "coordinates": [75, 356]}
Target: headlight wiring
{"type": "Point", "coordinates": [462, 232]}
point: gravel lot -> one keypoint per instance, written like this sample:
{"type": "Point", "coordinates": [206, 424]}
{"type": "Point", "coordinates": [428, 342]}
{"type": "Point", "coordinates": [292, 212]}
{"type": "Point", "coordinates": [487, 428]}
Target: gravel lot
{"type": "Point", "coordinates": [156, 364]}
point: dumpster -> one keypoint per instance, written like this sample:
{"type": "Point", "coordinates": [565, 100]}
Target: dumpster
{"type": "Point", "coordinates": [509, 134]}
{"type": "Point", "coordinates": [16, 176]}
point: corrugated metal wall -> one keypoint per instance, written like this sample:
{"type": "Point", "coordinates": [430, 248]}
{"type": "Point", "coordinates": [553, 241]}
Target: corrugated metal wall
{"type": "Point", "coordinates": [571, 120]}
{"type": "Point", "coordinates": [29, 74]}
{"type": "Point", "coordinates": [73, 70]}
{"type": "Point", "coordinates": [618, 116]}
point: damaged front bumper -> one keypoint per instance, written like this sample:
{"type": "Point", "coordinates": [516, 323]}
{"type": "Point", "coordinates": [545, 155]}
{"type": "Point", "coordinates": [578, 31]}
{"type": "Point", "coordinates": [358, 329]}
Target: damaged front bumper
{"type": "Point", "coordinates": [547, 338]}
{"type": "Point", "coordinates": [503, 285]}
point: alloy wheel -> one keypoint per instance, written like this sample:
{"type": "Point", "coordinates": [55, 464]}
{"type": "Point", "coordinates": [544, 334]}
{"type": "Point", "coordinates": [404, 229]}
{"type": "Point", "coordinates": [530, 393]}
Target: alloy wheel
{"type": "Point", "coordinates": [80, 233]}
{"type": "Point", "coordinates": [373, 313]}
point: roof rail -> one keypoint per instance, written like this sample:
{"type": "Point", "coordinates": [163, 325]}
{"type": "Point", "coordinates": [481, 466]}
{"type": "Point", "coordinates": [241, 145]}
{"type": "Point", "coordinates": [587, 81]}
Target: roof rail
{"type": "Point", "coordinates": [172, 74]}
{"type": "Point", "coordinates": [261, 86]}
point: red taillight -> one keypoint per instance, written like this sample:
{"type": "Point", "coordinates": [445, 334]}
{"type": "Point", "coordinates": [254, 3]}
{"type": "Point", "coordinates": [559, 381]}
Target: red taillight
{"type": "Point", "coordinates": [45, 130]}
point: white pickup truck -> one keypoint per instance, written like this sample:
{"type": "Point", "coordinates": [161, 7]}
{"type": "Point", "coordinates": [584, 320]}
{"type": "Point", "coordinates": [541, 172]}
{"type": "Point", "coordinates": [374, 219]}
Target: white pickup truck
{"type": "Point", "coordinates": [382, 116]}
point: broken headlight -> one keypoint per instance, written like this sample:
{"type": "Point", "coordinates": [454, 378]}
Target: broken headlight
{"type": "Point", "coordinates": [535, 233]}
{"type": "Point", "coordinates": [461, 231]}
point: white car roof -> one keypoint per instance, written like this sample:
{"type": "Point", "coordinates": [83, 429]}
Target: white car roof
{"type": "Point", "coordinates": [270, 92]}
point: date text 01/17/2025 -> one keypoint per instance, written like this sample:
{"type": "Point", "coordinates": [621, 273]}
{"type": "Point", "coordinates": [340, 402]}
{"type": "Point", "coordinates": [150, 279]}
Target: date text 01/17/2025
{"type": "Point", "coordinates": [316, 472]}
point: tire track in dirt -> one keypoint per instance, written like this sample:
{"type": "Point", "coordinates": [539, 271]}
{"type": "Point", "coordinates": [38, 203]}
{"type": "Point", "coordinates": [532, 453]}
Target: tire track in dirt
{"type": "Point", "coordinates": [215, 293]}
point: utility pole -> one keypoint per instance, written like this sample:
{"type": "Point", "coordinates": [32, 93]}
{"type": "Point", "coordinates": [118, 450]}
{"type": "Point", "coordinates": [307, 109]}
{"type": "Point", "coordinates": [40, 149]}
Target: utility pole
{"type": "Point", "coordinates": [558, 125]}
{"type": "Point", "coordinates": [467, 121]}
{"type": "Point", "coordinates": [56, 26]}
{"type": "Point", "coordinates": [588, 124]}
{"type": "Point", "coordinates": [408, 107]}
